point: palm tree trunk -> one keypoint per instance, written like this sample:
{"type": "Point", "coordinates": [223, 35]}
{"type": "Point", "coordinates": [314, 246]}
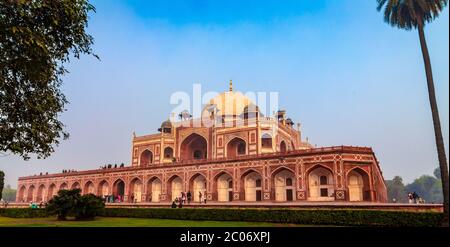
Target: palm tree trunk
{"type": "Point", "coordinates": [436, 121]}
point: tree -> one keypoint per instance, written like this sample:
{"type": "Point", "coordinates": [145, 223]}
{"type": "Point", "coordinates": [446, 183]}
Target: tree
{"type": "Point", "coordinates": [64, 203]}
{"type": "Point", "coordinates": [437, 173]}
{"type": "Point", "coordinates": [37, 37]}
{"type": "Point", "coordinates": [9, 194]}
{"type": "Point", "coordinates": [88, 207]}
{"type": "Point", "coordinates": [2, 183]}
{"type": "Point", "coordinates": [72, 203]}
{"type": "Point", "coordinates": [396, 189]}
{"type": "Point", "coordinates": [426, 187]}
{"type": "Point", "coordinates": [409, 14]}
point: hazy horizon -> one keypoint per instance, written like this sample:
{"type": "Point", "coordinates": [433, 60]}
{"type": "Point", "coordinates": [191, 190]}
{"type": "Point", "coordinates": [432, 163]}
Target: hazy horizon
{"type": "Point", "coordinates": [347, 76]}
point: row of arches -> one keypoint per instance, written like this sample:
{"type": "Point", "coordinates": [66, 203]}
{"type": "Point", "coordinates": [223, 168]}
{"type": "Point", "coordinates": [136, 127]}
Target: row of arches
{"type": "Point", "coordinates": [320, 187]}
{"type": "Point", "coordinates": [195, 147]}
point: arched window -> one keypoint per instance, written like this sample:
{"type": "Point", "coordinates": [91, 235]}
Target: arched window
{"type": "Point", "coordinates": [323, 180]}
{"type": "Point", "coordinates": [230, 184]}
{"type": "Point", "coordinates": [168, 153]}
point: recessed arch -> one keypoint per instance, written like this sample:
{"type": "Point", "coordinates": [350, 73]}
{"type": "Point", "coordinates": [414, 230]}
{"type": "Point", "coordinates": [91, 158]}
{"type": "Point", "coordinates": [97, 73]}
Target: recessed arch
{"type": "Point", "coordinates": [266, 141]}
{"type": "Point", "coordinates": [283, 184]}
{"type": "Point", "coordinates": [320, 183]}
{"type": "Point", "coordinates": [63, 186]}
{"type": "Point", "coordinates": [21, 194]}
{"type": "Point", "coordinates": [223, 183]}
{"type": "Point", "coordinates": [75, 185]}
{"type": "Point", "coordinates": [168, 154]}
{"type": "Point", "coordinates": [154, 189]}
{"type": "Point", "coordinates": [40, 197]}
{"type": "Point", "coordinates": [146, 158]}
{"type": "Point", "coordinates": [358, 185]}
{"type": "Point", "coordinates": [89, 188]}
{"type": "Point", "coordinates": [30, 193]}
{"type": "Point", "coordinates": [119, 189]}
{"type": "Point", "coordinates": [174, 187]}
{"type": "Point", "coordinates": [135, 193]}
{"type": "Point", "coordinates": [103, 188]}
{"type": "Point", "coordinates": [197, 184]}
{"type": "Point", "coordinates": [236, 147]}
{"type": "Point", "coordinates": [195, 147]}
{"type": "Point", "coordinates": [252, 185]}
{"type": "Point", "coordinates": [52, 191]}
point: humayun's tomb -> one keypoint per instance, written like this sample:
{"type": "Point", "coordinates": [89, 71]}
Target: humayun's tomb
{"type": "Point", "coordinates": [232, 153]}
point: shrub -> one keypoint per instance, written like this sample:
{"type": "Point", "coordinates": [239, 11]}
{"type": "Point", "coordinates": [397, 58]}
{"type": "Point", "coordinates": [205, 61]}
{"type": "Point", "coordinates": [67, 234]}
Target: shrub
{"type": "Point", "coordinates": [24, 212]}
{"type": "Point", "coordinates": [71, 203]}
{"type": "Point", "coordinates": [291, 216]}
{"type": "Point", "coordinates": [64, 203]}
{"type": "Point", "coordinates": [88, 207]}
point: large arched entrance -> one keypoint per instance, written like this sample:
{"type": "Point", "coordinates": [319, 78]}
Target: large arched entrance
{"type": "Point", "coordinates": [236, 147]}
{"type": "Point", "coordinates": [224, 188]}
{"type": "Point", "coordinates": [146, 158]}
{"type": "Point", "coordinates": [52, 191]}
{"type": "Point", "coordinates": [175, 187]}
{"type": "Point", "coordinates": [40, 197]}
{"type": "Point", "coordinates": [358, 185]}
{"type": "Point", "coordinates": [30, 194]}
{"type": "Point", "coordinates": [89, 188]}
{"type": "Point", "coordinates": [21, 196]}
{"type": "Point", "coordinates": [198, 187]}
{"type": "Point", "coordinates": [154, 187]}
{"type": "Point", "coordinates": [284, 185]}
{"type": "Point", "coordinates": [103, 188]}
{"type": "Point", "coordinates": [252, 186]}
{"type": "Point", "coordinates": [321, 184]}
{"type": "Point", "coordinates": [193, 147]}
{"type": "Point", "coordinates": [119, 189]}
{"type": "Point", "coordinates": [135, 190]}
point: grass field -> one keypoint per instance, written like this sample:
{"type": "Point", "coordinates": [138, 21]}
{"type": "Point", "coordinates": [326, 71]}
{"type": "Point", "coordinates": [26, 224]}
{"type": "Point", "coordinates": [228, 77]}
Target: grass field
{"type": "Point", "coordinates": [127, 222]}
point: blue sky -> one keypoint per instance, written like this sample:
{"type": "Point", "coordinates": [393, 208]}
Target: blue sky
{"type": "Point", "coordinates": [348, 77]}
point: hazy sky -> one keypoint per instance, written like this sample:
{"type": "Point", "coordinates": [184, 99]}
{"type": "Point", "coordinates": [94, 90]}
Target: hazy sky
{"type": "Point", "coordinates": [348, 77]}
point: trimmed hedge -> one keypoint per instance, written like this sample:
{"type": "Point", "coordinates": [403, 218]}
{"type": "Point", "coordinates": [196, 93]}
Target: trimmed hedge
{"type": "Point", "coordinates": [292, 216]}
{"type": "Point", "coordinates": [24, 212]}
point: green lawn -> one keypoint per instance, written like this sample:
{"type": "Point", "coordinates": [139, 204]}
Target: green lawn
{"type": "Point", "coordinates": [126, 222]}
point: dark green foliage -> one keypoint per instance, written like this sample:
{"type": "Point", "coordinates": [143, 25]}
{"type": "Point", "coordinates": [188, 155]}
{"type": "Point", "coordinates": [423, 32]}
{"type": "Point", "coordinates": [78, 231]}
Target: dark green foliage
{"type": "Point", "coordinates": [36, 39]}
{"type": "Point", "coordinates": [2, 183]}
{"type": "Point", "coordinates": [64, 203]}
{"type": "Point", "coordinates": [396, 190]}
{"type": "Point", "coordinates": [88, 207]}
{"type": "Point", "coordinates": [24, 212]}
{"type": "Point", "coordinates": [408, 14]}
{"type": "Point", "coordinates": [9, 194]}
{"type": "Point", "coordinates": [291, 216]}
{"type": "Point", "coordinates": [427, 187]}
{"type": "Point", "coordinates": [72, 203]}
{"type": "Point", "coordinates": [308, 217]}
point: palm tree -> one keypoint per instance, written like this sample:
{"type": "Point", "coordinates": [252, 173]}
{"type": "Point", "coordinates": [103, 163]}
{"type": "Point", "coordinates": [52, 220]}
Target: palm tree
{"type": "Point", "coordinates": [414, 14]}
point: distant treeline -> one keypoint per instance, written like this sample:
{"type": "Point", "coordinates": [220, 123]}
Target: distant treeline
{"type": "Point", "coordinates": [426, 186]}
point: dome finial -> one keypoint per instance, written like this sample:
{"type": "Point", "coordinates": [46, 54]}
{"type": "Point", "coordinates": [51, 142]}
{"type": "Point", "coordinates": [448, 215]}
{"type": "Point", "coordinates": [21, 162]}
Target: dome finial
{"type": "Point", "coordinates": [231, 85]}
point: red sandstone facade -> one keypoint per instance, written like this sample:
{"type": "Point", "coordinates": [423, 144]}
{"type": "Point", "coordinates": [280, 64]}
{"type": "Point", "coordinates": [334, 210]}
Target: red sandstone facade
{"type": "Point", "coordinates": [232, 153]}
